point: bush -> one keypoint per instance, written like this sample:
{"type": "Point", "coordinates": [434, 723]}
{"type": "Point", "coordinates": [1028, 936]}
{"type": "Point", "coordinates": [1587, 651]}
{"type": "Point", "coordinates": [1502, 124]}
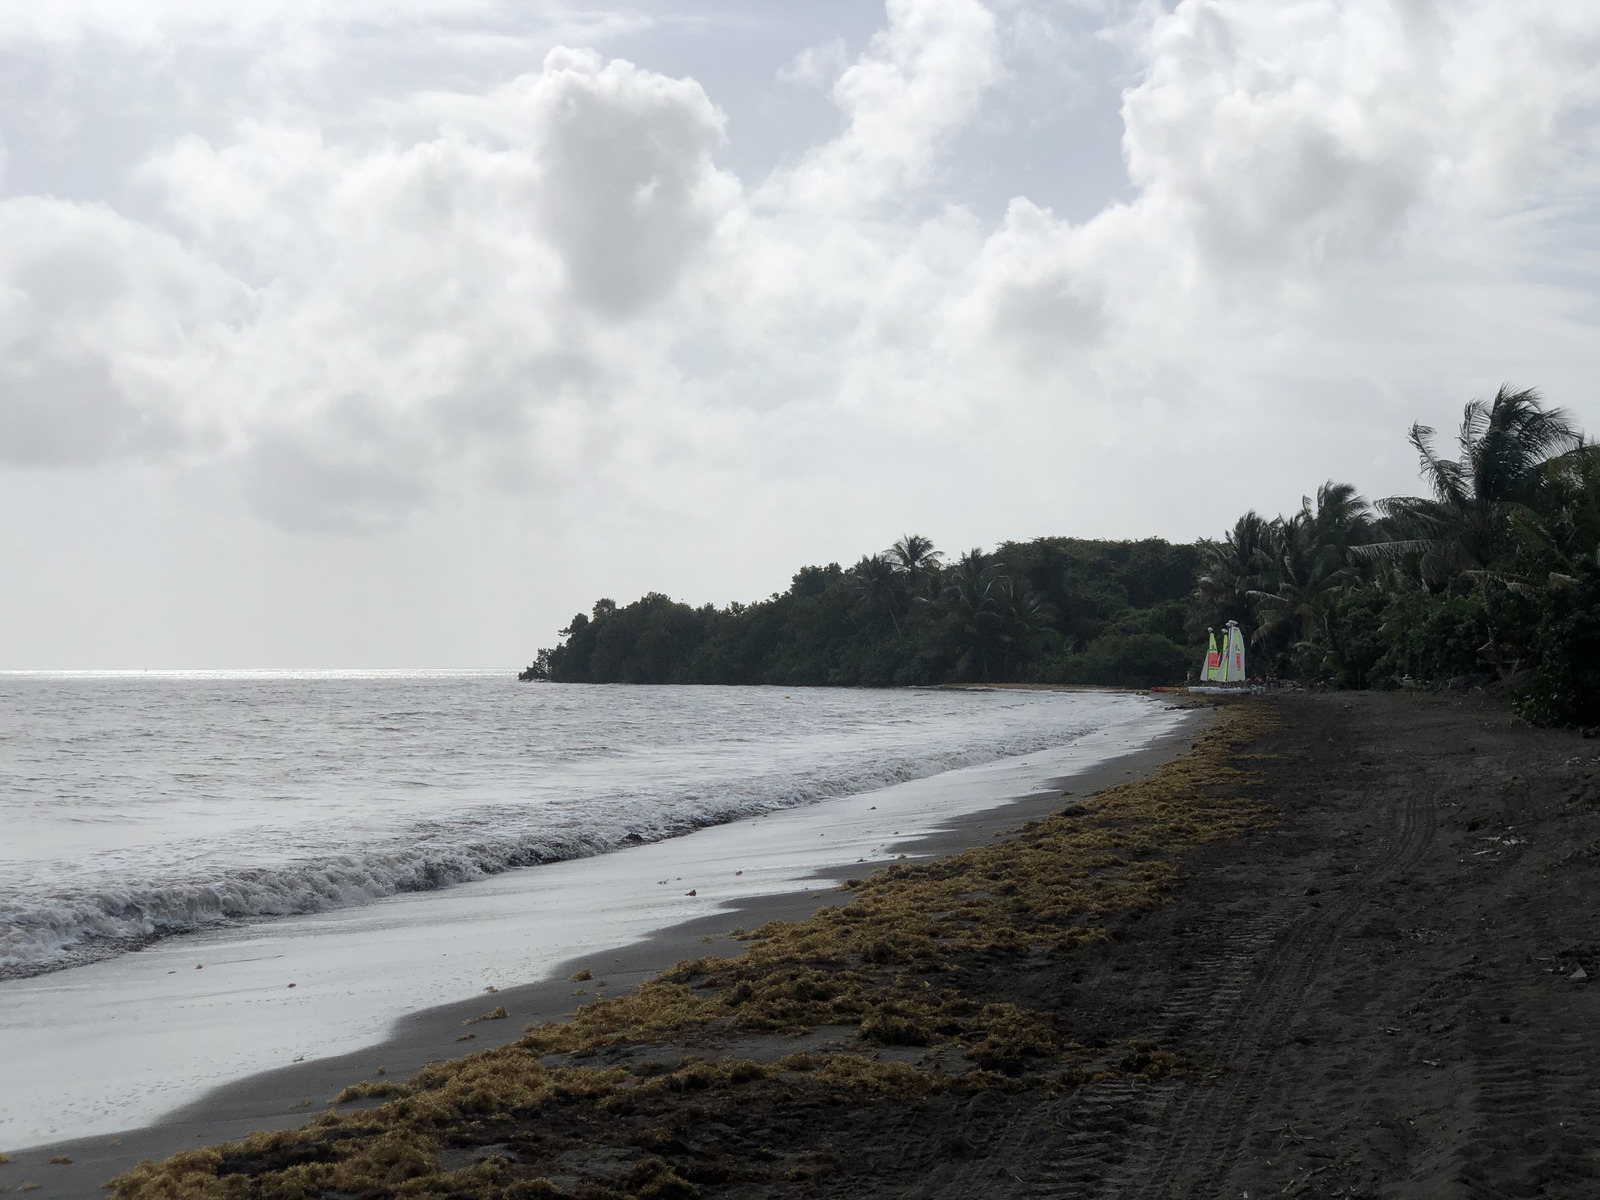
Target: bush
{"type": "Point", "coordinates": [1565, 689]}
{"type": "Point", "coordinates": [1434, 637]}
{"type": "Point", "coordinates": [1128, 660]}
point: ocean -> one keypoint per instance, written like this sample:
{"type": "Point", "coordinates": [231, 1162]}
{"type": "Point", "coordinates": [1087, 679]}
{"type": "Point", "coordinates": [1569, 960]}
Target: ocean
{"type": "Point", "coordinates": [142, 806]}
{"type": "Point", "coordinates": [388, 841]}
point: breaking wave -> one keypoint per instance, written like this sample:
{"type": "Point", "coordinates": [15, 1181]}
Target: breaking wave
{"type": "Point", "coordinates": [221, 878]}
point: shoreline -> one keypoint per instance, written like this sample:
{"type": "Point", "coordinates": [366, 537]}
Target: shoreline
{"type": "Point", "coordinates": [79, 892]}
{"type": "Point", "coordinates": [289, 1096]}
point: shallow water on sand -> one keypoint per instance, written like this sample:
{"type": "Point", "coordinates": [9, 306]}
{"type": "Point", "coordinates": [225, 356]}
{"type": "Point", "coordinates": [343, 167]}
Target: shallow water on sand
{"type": "Point", "coordinates": [141, 806]}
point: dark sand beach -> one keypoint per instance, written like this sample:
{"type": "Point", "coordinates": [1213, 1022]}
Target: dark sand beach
{"type": "Point", "coordinates": [1346, 948]}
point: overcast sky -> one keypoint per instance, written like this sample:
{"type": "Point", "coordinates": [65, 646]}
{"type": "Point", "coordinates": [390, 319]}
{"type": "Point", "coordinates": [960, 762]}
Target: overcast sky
{"type": "Point", "coordinates": [369, 334]}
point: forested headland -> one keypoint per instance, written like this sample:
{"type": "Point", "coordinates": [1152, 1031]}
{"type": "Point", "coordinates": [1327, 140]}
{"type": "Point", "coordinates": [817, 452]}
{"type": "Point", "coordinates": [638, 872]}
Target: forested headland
{"type": "Point", "coordinates": [1058, 610]}
{"type": "Point", "coordinates": [1493, 577]}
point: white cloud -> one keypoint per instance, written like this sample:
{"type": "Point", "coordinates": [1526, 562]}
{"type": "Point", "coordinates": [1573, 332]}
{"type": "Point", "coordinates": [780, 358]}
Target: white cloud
{"type": "Point", "coordinates": [106, 328]}
{"type": "Point", "coordinates": [918, 83]}
{"type": "Point", "coordinates": [548, 285]}
{"type": "Point", "coordinates": [148, 23]}
{"type": "Point", "coordinates": [817, 66]}
{"type": "Point", "coordinates": [1293, 135]}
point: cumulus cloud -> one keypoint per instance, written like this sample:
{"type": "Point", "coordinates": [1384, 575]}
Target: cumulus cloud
{"type": "Point", "coordinates": [420, 304]}
{"type": "Point", "coordinates": [1297, 134]}
{"type": "Point", "coordinates": [548, 282]}
{"type": "Point", "coordinates": [106, 326]}
{"type": "Point", "coordinates": [918, 82]}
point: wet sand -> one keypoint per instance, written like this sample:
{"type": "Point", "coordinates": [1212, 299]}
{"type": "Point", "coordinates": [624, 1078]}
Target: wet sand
{"type": "Point", "coordinates": [288, 1097]}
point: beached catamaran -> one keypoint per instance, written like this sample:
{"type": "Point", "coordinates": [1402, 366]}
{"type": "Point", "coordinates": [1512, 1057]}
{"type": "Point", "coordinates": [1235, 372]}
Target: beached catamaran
{"type": "Point", "coordinates": [1224, 667]}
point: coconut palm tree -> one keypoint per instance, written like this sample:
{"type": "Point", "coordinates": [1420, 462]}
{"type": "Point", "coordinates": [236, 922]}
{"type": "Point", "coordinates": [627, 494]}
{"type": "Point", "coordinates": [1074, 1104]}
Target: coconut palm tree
{"type": "Point", "coordinates": [1467, 525]}
{"type": "Point", "coordinates": [972, 615]}
{"type": "Point", "coordinates": [994, 622]}
{"type": "Point", "coordinates": [1560, 539]}
{"type": "Point", "coordinates": [1231, 569]}
{"type": "Point", "coordinates": [1305, 573]}
{"type": "Point", "coordinates": [878, 587]}
{"type": "Point", "coordinates": [915, 558]}
{"type": "Point", "coordinates": [1026, 619]}
{"type": "Point", "coordinates": [1340, 517]}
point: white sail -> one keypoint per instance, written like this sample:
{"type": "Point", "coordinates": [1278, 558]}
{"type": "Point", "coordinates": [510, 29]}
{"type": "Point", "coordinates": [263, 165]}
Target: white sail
{"type": "Point", "coordinates": [1233, 655]}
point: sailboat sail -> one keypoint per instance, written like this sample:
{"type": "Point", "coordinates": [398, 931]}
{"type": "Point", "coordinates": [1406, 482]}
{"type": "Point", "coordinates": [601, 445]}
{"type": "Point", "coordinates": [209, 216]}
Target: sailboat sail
{"type": "Point", "coordinates": [1233, 655]}
{"type": "Point", "coordinates": [1213, 668]}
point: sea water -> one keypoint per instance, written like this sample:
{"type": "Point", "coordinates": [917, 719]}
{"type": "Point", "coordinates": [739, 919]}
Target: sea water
{"type": "Point", "coordinates": [387, 841]}
{"type": "Point", "coordinates": [140, 806]}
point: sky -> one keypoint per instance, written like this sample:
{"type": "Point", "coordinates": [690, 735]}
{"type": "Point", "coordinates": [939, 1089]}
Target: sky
{"type": "Point", "coordinates": [374, 335]}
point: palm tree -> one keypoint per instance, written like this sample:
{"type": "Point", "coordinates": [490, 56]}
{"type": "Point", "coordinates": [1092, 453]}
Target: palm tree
{"type": "Point", "coordinates": [1560, 540]}
{"type": "Point", "coordinates": [878, 587]}
{"type": "Point", "coordinates": [1026, 619]}
{"type": "Point", "coordinates": [972, 615]}
{"type": "Point", "coordinates": [1305, 574]}
{"type": "Point", "coordinates": [1340, 518]}
{"type": "Point", "coordinates": [1231, 568]}
{"type": "Point", "coordinates": [1466, 526]}
{"type": "Point", "coordinates": [994, 622]}
{"type": "Point", "coordinates": [915, 558]}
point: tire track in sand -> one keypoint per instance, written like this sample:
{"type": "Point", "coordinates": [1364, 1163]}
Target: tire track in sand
{"type": "Point", "coordinates": [1199, 1133]}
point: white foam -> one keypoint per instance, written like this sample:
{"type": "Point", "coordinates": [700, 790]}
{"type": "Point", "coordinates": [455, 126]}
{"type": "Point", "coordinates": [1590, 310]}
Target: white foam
{"type": "Point", "coordinates": [112, 1045]}
{"type": "Point", "coordinates": [141, 808]}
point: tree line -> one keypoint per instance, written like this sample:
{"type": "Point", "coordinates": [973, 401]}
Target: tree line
{"type": "Point", "coordinates": [1056, 610]}
{"type": "Point", "coordinates": [1492, 577]}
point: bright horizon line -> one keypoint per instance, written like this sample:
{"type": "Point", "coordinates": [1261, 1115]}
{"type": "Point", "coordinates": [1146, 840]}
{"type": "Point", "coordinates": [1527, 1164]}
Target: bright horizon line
{"type": "Point", "coordinates": [248, 672]}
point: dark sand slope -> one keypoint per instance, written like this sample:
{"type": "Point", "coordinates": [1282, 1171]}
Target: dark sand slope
{"type": "Point", "coordinates": [1388, 981]}
{"type": "Point", "coordinates": [1381, 989]}
{"type": "Point", "coordinates": [1386, 991]}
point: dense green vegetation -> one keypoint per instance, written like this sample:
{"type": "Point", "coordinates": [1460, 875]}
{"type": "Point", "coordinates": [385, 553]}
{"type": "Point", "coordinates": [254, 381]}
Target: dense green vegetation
{"type": "Point", "coordinates": [1055, 610]}
{"type": "Point", "coordinates": [1494, 578]}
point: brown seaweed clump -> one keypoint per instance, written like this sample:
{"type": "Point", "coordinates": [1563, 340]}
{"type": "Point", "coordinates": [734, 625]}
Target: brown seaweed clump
{"type": "Point", "coordinates": [606, 1104]}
